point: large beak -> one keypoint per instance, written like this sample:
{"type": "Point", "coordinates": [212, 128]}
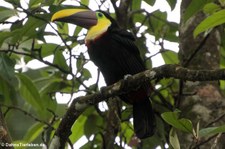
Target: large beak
{"type": "Point", "coordinates": [81, 17]}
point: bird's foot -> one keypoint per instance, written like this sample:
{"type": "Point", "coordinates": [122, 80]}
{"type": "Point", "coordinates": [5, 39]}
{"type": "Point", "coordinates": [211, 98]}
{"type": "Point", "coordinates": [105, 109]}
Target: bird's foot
{"type": "Point", "coordinates": [127, 76]}
{"type": "Point", "coordinates": [125, 82]}
{"type": "Point", "coordinates": [103, 91]}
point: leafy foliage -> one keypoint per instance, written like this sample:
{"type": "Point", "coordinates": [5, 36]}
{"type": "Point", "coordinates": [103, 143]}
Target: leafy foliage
{"type": "Point", "coordinates": [40, 92]}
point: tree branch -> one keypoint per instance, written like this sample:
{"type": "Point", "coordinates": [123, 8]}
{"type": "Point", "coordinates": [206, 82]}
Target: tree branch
{"type": "Point", "coordinates": [124, 86]}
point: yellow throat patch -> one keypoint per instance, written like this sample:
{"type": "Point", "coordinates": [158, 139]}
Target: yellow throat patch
{"type": "Point", "coordinates": [100, 28]}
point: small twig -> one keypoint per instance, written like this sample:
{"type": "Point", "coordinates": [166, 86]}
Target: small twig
{"type": "Point", "coordinates": [114, 4]}
{"type": "Point", "coordinates": [40, 59]}
{"type": "Point", "coordinates": [70, 143]}
{"type": "Point", "coordinates": [215, 120]}
{"type": "Point", "coordinates": [202, 43]}
{"type": "Point", "coordinates": [28, 114]}
{"type": "Point", "coordinates": [197, 146]}
{"type": "Point", "coordinates": [214, 145]}
{"type": "Point", "coordinates": [55, 117]}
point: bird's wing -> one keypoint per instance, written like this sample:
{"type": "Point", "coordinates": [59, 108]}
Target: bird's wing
{"type": "Point", "coordinates": [127, 40]}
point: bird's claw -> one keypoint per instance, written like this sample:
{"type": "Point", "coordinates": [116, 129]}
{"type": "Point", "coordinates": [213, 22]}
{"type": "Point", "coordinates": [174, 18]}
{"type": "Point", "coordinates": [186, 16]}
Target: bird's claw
{"type": "Point", "coordinates": [102, 90]}
{"type": "Point", "coordinates": [127, 76]}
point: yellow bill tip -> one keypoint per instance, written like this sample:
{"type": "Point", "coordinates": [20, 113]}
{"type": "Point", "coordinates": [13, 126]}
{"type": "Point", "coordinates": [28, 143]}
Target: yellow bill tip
{"type": "Point", "coordinates": [65, 13]}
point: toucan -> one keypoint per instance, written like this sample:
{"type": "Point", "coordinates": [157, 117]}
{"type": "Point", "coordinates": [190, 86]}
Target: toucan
{"type": "Point", "coordinates": [113, 51]}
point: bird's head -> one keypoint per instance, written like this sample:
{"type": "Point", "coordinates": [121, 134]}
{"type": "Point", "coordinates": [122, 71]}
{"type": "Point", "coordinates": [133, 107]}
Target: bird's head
{"type": "Point", "coordinates": [97, 22]}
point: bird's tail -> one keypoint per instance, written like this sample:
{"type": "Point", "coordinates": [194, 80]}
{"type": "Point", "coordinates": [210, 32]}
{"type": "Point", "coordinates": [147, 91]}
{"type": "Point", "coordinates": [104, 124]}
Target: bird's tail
{"type": "Point", "coordinates": [144, 121]}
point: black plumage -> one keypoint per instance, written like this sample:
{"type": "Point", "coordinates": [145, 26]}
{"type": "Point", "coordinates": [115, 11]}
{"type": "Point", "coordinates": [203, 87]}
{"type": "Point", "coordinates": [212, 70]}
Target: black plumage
{"type": "Point", "coordinates": [116, 55]}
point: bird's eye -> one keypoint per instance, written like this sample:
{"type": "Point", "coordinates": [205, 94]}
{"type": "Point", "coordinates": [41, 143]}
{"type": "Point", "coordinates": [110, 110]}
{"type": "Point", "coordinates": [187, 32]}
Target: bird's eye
{"type": "Point", "coordinates": [100, 14]}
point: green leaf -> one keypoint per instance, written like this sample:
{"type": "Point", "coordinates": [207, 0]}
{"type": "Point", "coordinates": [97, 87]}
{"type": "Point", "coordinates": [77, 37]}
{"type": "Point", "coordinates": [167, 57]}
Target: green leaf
{"type": "Point", "coordinates": [53, 85]}
{"type": "Point", "coordinates": [61, 110]}
{"type": "Point", "coordinates": [60, 60]}
{"type": "Point", "coordinates": [170, 57]}
{"type": "Point", "coordinates": [170, 32]}
{"type": "Point", "coordinates": [85, 74]}
{"type": "Point", "coordinates": [78, 129]}
{"type": "Point", "coordinates": [77, 31]}
{"type": "Point", "coordinates": [210, 22]}
{"type": "Point", "coordinates": [174, 141]}
{"type": "Point", "coordinates": [29, 29]}
{"type": "Point", "coordinates": [3, 36]}
{"type": "Point", "coordinates": [181, 124]}
{"type": "Point", "coordinates": [194, 7]}
{"type": "Point", "coordinates": [211, 131]}
{"type": "Point", "coordinates": [222, 55]}
{"type": "Point", "coordinates": [91, 125]}
{"type": "Point", "coordinates": [16, 25]}
{"type": "Point", "coordinates": [46, 84]}
{"type": "Point", "coordinates": [172, 3]}
{"type": "Point", "coordinates": [30, 93]}
{"type": "Point", "coordinates": [157, 23]}
{"type": "Point", "coordinates": [210, 8]}
{"type": "Point", "coordinates": [8, 93]}
{"type": "Point", "coordinates": [88, 145]}
{"type": "Point", "coordinates": [6, 13]}
{"type": "Point", "coordinates": [7, 69]}
{"type": "Point", "coordinates": [150, 2]}
{"type": "Point", "coordinates": [35, 3]}
{"type": "Point", "coordinates": [80, 62]}
{"type": "Point", "coordinates": [63, 29]}
{"type": "Point", "coordinates": [48, 48]}
{"type": "Point", "coordinates": [85, 2]}
{"type": "Point", "coordinates": [136, 5]}
{"type": "Point", "coordinates": [139, 17]}
{"type": "Point", "coordinates": [126, 130]}
{"type": "Point", "coordinates": [33, 132]}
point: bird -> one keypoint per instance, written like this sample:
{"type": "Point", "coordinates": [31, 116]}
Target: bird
{"type": "Point", "coordinates": [113, 51]}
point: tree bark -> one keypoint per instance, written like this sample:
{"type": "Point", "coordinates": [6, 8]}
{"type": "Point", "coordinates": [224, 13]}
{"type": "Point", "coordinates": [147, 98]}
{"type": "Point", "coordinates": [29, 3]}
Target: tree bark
{"type": "Point", "coordinates": [5, 138]}
{"type": "Point", "coordinates": [112, 122]}
{"type": "Point", "coordinates": [206, 103]}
